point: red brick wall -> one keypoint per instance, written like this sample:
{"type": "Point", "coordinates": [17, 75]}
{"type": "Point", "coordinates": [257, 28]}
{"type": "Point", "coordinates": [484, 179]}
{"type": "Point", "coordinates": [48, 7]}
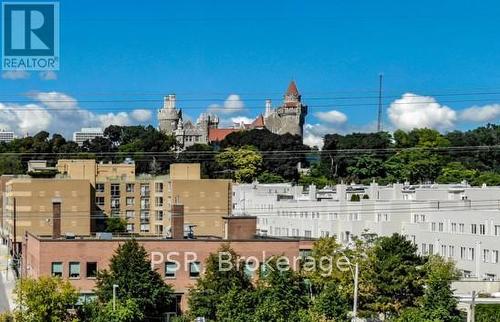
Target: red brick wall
{"type": "Point", "coordinates": [41, 253]}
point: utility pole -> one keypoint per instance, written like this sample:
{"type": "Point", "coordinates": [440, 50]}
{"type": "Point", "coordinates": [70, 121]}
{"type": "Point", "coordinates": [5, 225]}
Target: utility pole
{"type": "Point", "coordinates": [473, 307]}
{"type": "Point", "coordinates": [355, 304]}
{"type": "Point", "coordinates": [14, 250]}
{"type": "Point", "coordinates": [379, 118]}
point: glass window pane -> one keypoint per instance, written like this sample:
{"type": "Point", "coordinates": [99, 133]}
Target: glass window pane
{"type": "Point", "coordinates": [74, 269]}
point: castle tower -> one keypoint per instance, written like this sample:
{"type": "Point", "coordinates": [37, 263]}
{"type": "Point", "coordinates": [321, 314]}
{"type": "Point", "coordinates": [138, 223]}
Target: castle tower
{"type": "Point", "coordinates": [168, 115]}
{"type": "Point", "coordinates": [289, 117]}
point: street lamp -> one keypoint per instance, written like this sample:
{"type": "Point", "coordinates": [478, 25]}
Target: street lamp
{"type": "Point", "coordinates": [115, 286]}
{"type": "Point", "coordinates": [355, 275]}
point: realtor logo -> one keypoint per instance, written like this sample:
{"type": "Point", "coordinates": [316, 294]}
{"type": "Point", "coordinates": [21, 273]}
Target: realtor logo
{"type": "Point", "coordinates": [30, 36]}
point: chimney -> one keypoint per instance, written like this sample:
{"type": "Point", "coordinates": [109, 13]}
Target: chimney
{"type": "Point", "coordinates": [240, 227]}
{"type": "Point", "coordinates": [177, 221]}
{"type": "Point", "coordinates": [56, 219]}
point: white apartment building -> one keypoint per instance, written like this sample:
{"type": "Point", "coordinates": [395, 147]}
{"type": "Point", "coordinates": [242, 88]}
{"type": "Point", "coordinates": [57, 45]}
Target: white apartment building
{"type": "Point", "coordinates": [456, 221]}
{"type": "Point", "coordinates": [87, 133]}
{"type": "Point", "coordinates": [6, 136]}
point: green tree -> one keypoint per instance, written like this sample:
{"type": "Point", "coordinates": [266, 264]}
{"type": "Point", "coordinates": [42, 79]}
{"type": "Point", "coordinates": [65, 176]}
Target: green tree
{"type": "Point", "coordinates": [455, 172]}
{"type": "Point", "coordinates": [438, 302]}
{"type": "Point", "coordinates": [396, 275]}
{"type": "Point", "coordinates": [367, 166]}
{"type": "Point", "coordinates": [237, 305]}
{"type": "Point", "coordinates": [46, 299]}
{"type": "Point", "coordinates": [489, 178]}
{"type": "Point", "coordinates": [281, 293]}
{"type": "Point", "coordinates": [273, 148]}
{"type": "Point", "coordinates": [218, 281]}
{"type": "Point", "coordinates": [10, 164]}
{"type": "Point", "coordinates": [116, 225]}
{"type": "Point", "coordinates": [331, 304]}
{"type": "Point", "coordinates": [245, 162]}
{"type": "Point", "coordinates": [269, 177]}
{"type": "Point", "coordinates": [124, 311]}
{"type": "Point", "coordinates": [130, 269]}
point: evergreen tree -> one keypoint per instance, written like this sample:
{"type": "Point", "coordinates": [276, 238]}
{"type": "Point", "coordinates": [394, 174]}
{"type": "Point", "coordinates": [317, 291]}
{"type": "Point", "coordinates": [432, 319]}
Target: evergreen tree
{"type": "Point", "coordinates": [130, 269]}
{"type": "Point", "coordinates": [396, 275]}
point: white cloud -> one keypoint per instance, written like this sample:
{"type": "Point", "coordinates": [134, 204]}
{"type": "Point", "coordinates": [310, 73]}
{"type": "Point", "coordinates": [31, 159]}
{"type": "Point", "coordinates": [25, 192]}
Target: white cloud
{"type": "Point", "coordinates": [141, 115]}
{"type": "Point", "coordinates": [333, 117]}
{"type": "Point", "coordinates": [481, 113]}
{"type": "Point", "coordinates": [48, 75]}
{"type": "Point", "coordinates": [232, 104]}
{"type": "Point", "coordinates": [57, 112]}
{"type": "Point", "coordinates": [244, 119]}
{"type": "Point", "coordinates": [15, 74]}
{"type": "Point", "coordinates": [415, 111]}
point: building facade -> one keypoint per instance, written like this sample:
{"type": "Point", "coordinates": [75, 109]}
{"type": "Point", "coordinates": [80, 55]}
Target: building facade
{"type": "Point", "coordinates": [46, 207]}
{"type": "Point", "coordinates": [287, 118]}
{"type": "Point", "coordinates": [145, 201]}
{"type": "Point", "coordinates": [6, 136]}
{"type": "Point", "coordinates": [179, 261]}
{"type": "Point", "coordinates": [87, 134]}
{"type": "Point", "coordinates": [455, 221]}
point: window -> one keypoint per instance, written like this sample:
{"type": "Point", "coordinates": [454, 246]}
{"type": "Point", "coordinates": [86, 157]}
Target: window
{"type": "Point", "coordinates": [194, 269]}
{"type": "Point", "coordinates": [307, 233]}
{"type": "Point", "coordinates": [99, 187]}
{"type": "Point", "coordinates": [144, 203]}
{"type": "Point", "coordinates": [433, 226]}
{"type": "Point", "coordinates": [159, 187]}
{"type": "Point", "coordinates": [461, 227]}
{"type": "Point", "coordinates": [159, 201]}
{"type": "Point", "coordinates": [250, 268]}
{"type": "Point", "coordinates": [144, 190]}
{"type": "Point", "coordinates": [494, 256]}
{"type": "Point", "coordinates": [463, 253]}
{"type": "Point", "coordinates": [473, 229]}
{"type": "Point", "coordinates": [170, 269]}
{"type": "Point", "coordinates": [451, 251]}
{"type": "Point", "coordinates": [115, 190]}
{"type": "Point", "coordinates": [431, 249]}
{"type": "Point", "coordinates": [482, 229]}
{"type": "Point", "coordinates": [57, 269]}
{"type": "Point", "coordinates": [470, 254]}
{"type": "Point", "coordinates": [497, 230]}
{"type": "Point", "coordinates": [159, 215]}
{"type": "Point", "coordinates": [99, 201]}
{"type": "Point", "coordinates": [130, 228]}
{"type": "Point", "coordinates": [91, 269]}
{"type": "Point", "coordinates": [144, 228]}
{"type": "Point", "coordinates": [441, 226]}
{"type": "Point", "coordinates": [74, 270]}
{"type": "Point", "coordinates": [115, 203]}
{"type": "Point", "coordinates": [424, 248]}
{"type": "Point", "coordinates": [486, 255]}
{"type": "Point", "coordinates": [144, 217]}
{"type": "Point", "coordinates": [129, 187]}
{"type": "Point", "coordinates": [454, 227]}
{"type": "Point", "coordinates": [129, 214]}
{"type": "Point", "coordinates": [130, 201]}
{"type": "Point", "coordinates": [443, 250]}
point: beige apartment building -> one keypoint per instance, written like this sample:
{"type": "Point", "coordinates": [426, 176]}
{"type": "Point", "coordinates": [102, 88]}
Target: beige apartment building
{"type": "Point", "coordinates": [145, 201]}
{"type": "Point", "coordinates": [46, 207]}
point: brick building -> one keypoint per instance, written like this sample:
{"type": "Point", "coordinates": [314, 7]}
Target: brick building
{"type": "Point", "coordinates": [79, 259]}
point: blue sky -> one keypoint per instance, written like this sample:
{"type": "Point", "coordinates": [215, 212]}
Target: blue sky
{"type": "Point", "coordinates": [121, 56]}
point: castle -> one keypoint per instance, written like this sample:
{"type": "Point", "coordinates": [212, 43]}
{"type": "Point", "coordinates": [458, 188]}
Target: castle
{"type": "Point", "coordinates": [287, 118]}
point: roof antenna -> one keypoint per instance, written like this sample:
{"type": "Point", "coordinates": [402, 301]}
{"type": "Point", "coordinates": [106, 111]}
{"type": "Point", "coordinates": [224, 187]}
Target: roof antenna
{"type": "Point", "coordinates": [379, 120]}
